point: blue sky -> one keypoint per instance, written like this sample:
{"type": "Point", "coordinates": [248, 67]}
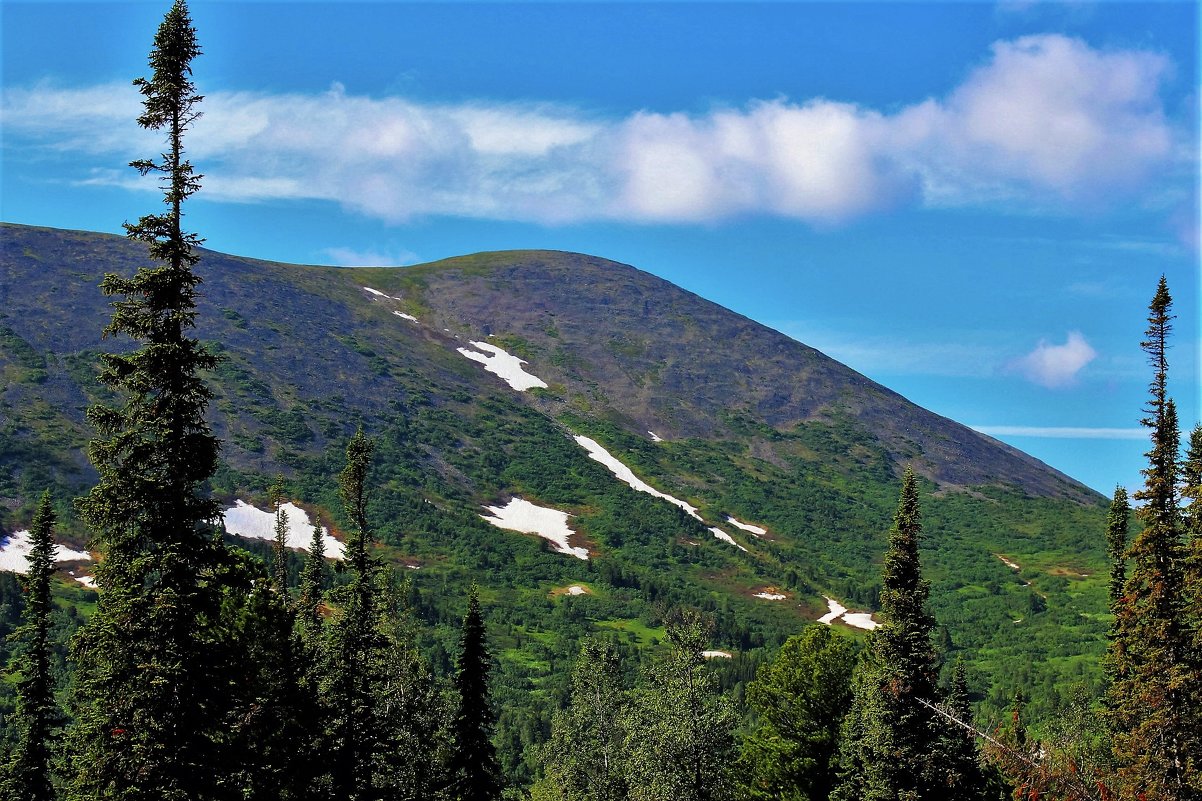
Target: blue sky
{"type": "Point", "coordinates": [970, 203]}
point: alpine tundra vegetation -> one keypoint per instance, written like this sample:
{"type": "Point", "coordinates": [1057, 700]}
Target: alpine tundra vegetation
{"type": "Point", "coordinates": [384, 534]}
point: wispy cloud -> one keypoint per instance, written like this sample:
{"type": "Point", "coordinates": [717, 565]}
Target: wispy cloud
{"type": "Point", "coordinates": [1045, 119]}
{"type": "Point", "coordinates": [352, 257]}
{"type": "Point", "coordinates": [1055, 366]}
{"type": "Point", "coordinates": [1063, 432]}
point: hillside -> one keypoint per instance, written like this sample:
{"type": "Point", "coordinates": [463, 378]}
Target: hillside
{"type": "Point", "coordinates": [748, 424]}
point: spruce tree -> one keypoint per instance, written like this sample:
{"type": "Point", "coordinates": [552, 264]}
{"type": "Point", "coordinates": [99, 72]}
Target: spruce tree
{"type": "Point", "coordinates": [36, 717]}
{"type": "Point", "coordinates": [279, 548]}
{"type": "Point", "coordinates": [1148, 703]}
{"type": "Point", "coordinates": [357, 648]}
{"type": "Point", "coordinates": [474, 772]}
{"type": "Point", "coordinates": [966, 779]}
{"type": "Point", "coordinates": [1117, 522]}
{"type": "Point", "coordinates": [147, 704]}
{"type": "Point", "coordinates": [312, 587]}
{"type": "Point", "coordinates": [893, 748]}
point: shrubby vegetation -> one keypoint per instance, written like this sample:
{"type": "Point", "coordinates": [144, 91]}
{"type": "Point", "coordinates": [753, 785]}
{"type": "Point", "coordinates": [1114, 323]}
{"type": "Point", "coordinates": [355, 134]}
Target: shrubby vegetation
{"type": "Point", "coordinates": [209, 670]}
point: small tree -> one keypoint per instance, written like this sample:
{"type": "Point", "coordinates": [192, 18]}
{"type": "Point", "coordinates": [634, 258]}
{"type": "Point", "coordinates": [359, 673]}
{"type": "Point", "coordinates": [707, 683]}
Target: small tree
{"type": "Point", "coordinates": [475, 773]}
{"type": "Point", "coordinates": [800, 700]}
{"type": "Point", "coordinates": [585, 758]}
{"type": "Point", "coordinates": [280, 544]}
{"type": "Point", "coordinates": [680, 735]}
{"type": "Point", "coordinates": [28, 774]}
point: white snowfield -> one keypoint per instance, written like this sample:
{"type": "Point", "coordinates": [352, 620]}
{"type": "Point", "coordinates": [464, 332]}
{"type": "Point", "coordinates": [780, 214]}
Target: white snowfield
{"type": "Point", "coordinates": [576, 589]}
{"type": "Point", "coordinates": [244, 520]}
{"type": "Point", "coordinates": [722, 535]}
{"type": "Point", "coordinates": [406, 316]}
{"type": "Point", "coordinates": [655, 437]}
{"type": "Point", "coordinates": [15, 548]}
{"type": "Point", "coordinates": [771, 596]}
{"type": "Point", "coordinates": [87, 581]}
{"type": "Point", "coordinates": [861, 620]}
{"type": "Point", "coordinates": [528, 518]}
{"type": "Point", "coordinates": [717, 655]}
{"type": "Point", "coordinates": [505, 365]}
{"type": "Point", "coordinates": [756, 531]}
{"type": "Point", "coordinates": [624, 474]}
{"type": "Point", "coordinates": [1012, 565]}
{"type": "Point", "coordinates": [379, 294]}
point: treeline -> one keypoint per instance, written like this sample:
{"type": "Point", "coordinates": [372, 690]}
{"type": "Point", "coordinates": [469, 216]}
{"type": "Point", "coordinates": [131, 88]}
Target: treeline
{"type": "Point", "coordinates": [207, 674]}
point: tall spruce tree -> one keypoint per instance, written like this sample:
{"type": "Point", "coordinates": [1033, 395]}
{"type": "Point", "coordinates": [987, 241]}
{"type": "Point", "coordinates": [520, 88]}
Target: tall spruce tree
{"type": "Point", "coordinates": [1148, 703]}
{"type": "Point", "coordinates": [1117, 525]}
{"type": "Point", "coordinates": [474, 772]}
{"type": "Point", "coordinates": [967, 779]}
{"type": "Point", "coordinates": [279, 546]}
{"type": "Point", "coordinates": [313, 584]}
{"type": "Point", "coordinates": [147, 705]}
{"type": "Point", "coordinates": [36, 717]}
{"type": "Point", "coordinates": [356, 649]}
{"type": "Point", "coordinates": [1191, 490]}
{"type": "Point", "coordinates": [892, 749]}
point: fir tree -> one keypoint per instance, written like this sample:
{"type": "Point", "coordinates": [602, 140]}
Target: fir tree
{"type": "Point", "coordinates": [36, 718]}
{"type": "Point", "coordinates": [966, 779]}
{"type": "Point", "coordinates": [1148, 701]}
{"type": "Point", "coordinates": [280, 544]}
{"type": "Point", "coordinates": [1191, 490]}
{"type": "Point", "coordinates": [313, 580]}
{"type": "Point", "coordinates": [892, 748]}
{"type": "Point", "coordinates": [356, 648]}
{"type": "Point", "coordinates": [475, 774]}
{"type": "Point", "coordinates": [148, 704]}
{"type": "Point", "coordinates": [1116, 546]}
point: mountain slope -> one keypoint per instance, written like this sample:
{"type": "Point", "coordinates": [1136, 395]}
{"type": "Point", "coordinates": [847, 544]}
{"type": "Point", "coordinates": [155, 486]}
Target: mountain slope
{"type": "Point", "coordinates": [755, 426]}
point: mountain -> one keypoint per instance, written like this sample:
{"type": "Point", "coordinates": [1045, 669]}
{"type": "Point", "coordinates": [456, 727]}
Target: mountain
{"type": "Point", "coordinates": [803, 452]}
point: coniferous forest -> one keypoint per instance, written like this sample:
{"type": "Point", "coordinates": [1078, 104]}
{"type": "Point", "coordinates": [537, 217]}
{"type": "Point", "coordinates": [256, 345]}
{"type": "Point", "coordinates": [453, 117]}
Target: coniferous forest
{"type": "Point", "coordinates": [208, 672]}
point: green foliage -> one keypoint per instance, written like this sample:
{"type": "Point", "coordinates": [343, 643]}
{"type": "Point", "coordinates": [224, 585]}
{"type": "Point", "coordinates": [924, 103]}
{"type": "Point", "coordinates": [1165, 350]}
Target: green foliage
{"type": "Point", "coordinates": [799, 700]}
{"type": "Point", "coordinates": [27, 772]}
{"type": "Point", "coordinates": [474, 772]}
{"type": "Point", "coordinates": [679, 735]}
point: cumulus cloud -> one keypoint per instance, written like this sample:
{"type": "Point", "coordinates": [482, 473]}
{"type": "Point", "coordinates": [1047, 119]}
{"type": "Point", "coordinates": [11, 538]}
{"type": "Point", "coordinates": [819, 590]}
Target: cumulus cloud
{"type": "Point", "coordinates": [1045, 119]}
{"type": "Point", "coordinates": [1056, 366]}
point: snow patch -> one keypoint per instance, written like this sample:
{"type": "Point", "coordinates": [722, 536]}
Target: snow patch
{"type": "Point", "coordinates": [244, 520]}
{"type": "Point", "coordinates": [15, 548]}
{"type": "Point", "coordinates": [722, 535]}
{"type": "Point", "coordinates": [379, 294]}
{"type": "Point", "coordinates": [861, 620]}
{"type": "Point", "coordinates": [756, 531]}
{"type": "Point", "coordinates": [550, 524]}
{"type": "Point", "coordinates": [1012, 565]}
{"type": "Point", "coordinates": [406, 316]}
{"type": "Point", "coordinates": [717, 655]}
{"type": "Point", "coordinates": [576, 589]}
{"type": "Point", "coordinates": [624, 474]}
{"type": "Point", "coordinates": [655, 437]}
{"type": "Point", "coordinates": [502, 364]}
{"type": "Point", "coordinates": [87, 581]}
{"type": "Point", "coordinates": [836, 611]}
{"type": "Point", "coordinates": [771, 596]}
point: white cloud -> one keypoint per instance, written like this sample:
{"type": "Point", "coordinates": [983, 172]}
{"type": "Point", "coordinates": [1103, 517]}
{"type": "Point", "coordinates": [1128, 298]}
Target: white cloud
{"type": "Point", "coordinates": [1056, 366]}
{"type": "Point", "coordinates": [1063, 432]}
{"type": "Point", "coordinates": [1045, 120]}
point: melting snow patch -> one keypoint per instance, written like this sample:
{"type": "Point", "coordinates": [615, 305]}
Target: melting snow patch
{"type": "Point", "coordinates": [1007, 562]}
{"type": "Point", "coordinates": [750, 529]}
{"type": "Point", "coordinates": [505, 365]}
{"type": "Point", "coordinates": [576, 589]}
{"type": "Point", "coordinates": [836, 611]}
{"type": "Point", "coordinates": [722, 535]}
{"type": "Point", "coordinates": [716, 655]}
{"type": "Point", "coordinates": [771, 596]}
{"type": "Point", "coordinates": [15, 548]}
{"type": "Point", "coordinates": [624, 473]}
{"type": "Point", "coordinates": [655, 437]}
{"type": "Point", "coordinates": [550, 524]}
{"type": "Point", "coordinates": [87, 581]}
{"type": "Point", "coordinates": [406, 316]}
{"type": "Point", "coordinates": [379, 294]}
{"type": "Point", "coordinates": [861, 620]}
{"type": "Point", "coordinates": [244, 520]}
